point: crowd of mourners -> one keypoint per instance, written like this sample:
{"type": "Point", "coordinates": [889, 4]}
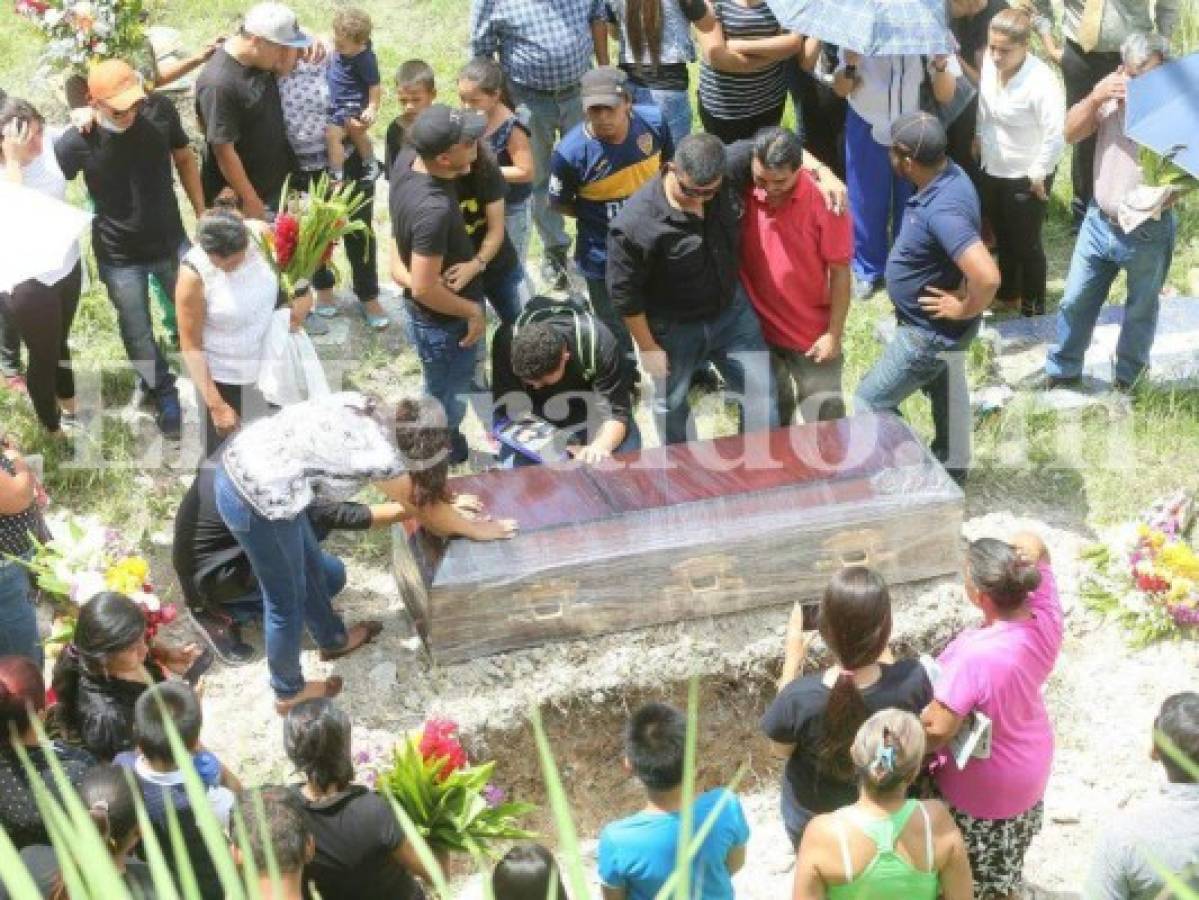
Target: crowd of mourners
{"type": "Point", "coordinates": [732, 254]}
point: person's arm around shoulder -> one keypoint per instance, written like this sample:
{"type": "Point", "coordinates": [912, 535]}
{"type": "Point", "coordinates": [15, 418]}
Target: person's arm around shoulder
{"type": "Point", "coordinates": [949, 853]}
{"type": "Point", "coordinates": [1082, 119]}
{"type": "Point", "coordinates": [813, 859]}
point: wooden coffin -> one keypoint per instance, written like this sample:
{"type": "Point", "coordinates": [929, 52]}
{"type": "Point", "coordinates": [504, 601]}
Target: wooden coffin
{"type": "Point", "coordinates": [681, 532]}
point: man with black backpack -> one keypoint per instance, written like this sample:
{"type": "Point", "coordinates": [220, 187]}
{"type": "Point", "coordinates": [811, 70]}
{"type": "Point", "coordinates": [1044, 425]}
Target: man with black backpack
{"type": "Point", "coordinates": [564, 365]}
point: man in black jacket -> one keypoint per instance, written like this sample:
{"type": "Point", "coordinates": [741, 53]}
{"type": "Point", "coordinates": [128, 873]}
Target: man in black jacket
{"type": "Point", "coordinates": [215, 574]}
{"type": "Point", "coordinates": [564, 365]}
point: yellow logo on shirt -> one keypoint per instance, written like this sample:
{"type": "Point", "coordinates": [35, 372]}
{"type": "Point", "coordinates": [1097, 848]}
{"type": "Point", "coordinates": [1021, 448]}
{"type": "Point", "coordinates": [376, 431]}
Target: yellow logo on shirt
{"type": "Point", "coordinates": [645, 143]}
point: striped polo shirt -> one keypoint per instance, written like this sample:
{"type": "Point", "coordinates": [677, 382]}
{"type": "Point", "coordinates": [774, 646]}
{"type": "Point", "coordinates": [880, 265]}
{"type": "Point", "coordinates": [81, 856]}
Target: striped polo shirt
{"type": "Point", "coordinates": [729, 95]}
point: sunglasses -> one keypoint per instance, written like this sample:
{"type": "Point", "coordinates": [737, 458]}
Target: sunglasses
{"type": "Point", "coordinates": [697, 193]}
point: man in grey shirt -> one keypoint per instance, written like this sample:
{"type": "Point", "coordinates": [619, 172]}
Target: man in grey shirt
{"type": "Point", "coordinates": [1092, 32]}
{"type": "Point", "coordinates": [1159, 833]}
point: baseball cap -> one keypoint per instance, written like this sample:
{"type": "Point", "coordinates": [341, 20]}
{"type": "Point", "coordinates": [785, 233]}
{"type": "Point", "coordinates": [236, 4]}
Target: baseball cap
{"type": "Point", "coordinates": [438, 128]}
{"type": "Point", "coordinates": [114, 82]}
{"type": "Point", "coordinates": [920, 136]}
{"type": "Point", "coordinates": [603, 86]}
{"type": "Point", "coordinates": [276, 23]}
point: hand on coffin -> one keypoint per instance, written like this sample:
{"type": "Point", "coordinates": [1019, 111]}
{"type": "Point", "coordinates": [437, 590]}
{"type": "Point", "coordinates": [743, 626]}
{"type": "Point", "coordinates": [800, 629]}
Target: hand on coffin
{"type": "Point", "coordinates": [655, 363]}
{"type": "Point", "coordinates": [942, 304]}
{"type": "Point", "coordinates": [468, 504]}
{"type": "Point", "coordinates": [485, 529]}
{"type": "Point", "coordinates": [826, 348]}
{"type": "Point", "coordinates": [590, 454]}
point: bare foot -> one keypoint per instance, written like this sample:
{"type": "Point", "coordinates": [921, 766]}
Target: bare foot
{"type": "Point", "coordinates": [313, 690]}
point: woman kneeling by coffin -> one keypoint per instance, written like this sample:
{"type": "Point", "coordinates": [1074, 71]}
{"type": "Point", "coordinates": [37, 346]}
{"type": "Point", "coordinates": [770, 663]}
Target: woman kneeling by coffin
{"type": "Point", "coordinates": [323, 450]}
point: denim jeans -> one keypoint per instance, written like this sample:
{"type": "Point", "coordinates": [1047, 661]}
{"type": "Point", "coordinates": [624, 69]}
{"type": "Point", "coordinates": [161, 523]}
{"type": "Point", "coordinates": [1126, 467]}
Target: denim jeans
{"type": "Point", "coordinates": [516, 225]}
{"type": "Point", "coordinates": [1101, 251]}
{"type": "Point", "coordinates": [18, 622]}
{"type": "Point", "coordinates": [733, 342]}
{"type": "Point", "coordinates": [877, 197]}
{"type": "Point", "coordinates": [290, 568]}
{"type": "Point", "coordinates": [129, 290]}
{"type": "Point", "coordinates": [919, 360]}
{"type": "Point", "coordinates": [447, 369]}
{"type": "Point", "coordinates": [549, 117]}
{"type": "Point", "coordinates": [510, 459]}
{"type": "Point", "coordinates": [675, 107]}
{"type": "Point", "coordinates": [247, 608]}
{"type": "Point", "coordinates": [506, 292]}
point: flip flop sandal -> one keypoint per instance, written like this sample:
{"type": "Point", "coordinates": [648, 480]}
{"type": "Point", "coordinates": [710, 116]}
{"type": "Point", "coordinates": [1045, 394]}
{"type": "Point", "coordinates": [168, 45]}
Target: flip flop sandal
{"type": "Point", "coordinates": [371, 631]}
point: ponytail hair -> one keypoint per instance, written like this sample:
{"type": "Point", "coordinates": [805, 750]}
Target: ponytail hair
{"type": "Point", "coordinates": [888, 751]}
{"type": "Point", "coordinates": [1001, 573]}
{"type": "Point", "coordinates": [108, 797]}
{"type": "Point", "coordinates": [855, 623]}
{"type": "Point", "coordinates": [487, 75]}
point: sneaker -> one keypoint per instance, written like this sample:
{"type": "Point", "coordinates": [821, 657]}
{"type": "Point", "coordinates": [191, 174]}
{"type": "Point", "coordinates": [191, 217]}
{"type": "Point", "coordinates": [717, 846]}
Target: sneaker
{"type": "Point", "coordinates": [69, 424]}
{"type": "Point", "coordinates": [223, 635]}
{"type": "Point", "coordinates": [555, 270]}
{"type": "Point", "coordinates": [864, 288]}
{"type": "Point", "coordinates": [315, 325]}
{"type": "Point", "coordinates": [1046, 382]}
{"type": "Point", "coordinates": [170, 415]}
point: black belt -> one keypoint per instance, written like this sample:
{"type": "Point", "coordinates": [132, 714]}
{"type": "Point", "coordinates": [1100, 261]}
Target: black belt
{"type": "Point", "coordinates": [567, 92]}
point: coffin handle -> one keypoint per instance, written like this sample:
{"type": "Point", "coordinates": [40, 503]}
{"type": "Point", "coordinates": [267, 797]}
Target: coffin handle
{"type": "Point", "coordinates": [545, 600]}
{"type": "Point", "coordinates": [862, 547]}
{"type": "Point", "coordinates": [706, 574]}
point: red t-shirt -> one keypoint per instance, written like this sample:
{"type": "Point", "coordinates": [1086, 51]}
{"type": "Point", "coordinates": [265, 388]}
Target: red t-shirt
{"type": "Point", "coordinates": [785, 256]}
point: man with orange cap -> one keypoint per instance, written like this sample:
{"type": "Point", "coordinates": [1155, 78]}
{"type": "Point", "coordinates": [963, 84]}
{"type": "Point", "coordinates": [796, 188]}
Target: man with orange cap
{"type": "Point", "coordinates": [126, 162]}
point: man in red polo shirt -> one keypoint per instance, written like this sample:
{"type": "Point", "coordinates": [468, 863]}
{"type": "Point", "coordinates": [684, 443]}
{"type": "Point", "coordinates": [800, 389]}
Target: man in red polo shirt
{"type": "Point", "coordinates": [795, 256]}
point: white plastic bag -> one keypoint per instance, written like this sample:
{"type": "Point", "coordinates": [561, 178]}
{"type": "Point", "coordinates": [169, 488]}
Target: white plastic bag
{"type": "Point", "coordinates": [291, 370]}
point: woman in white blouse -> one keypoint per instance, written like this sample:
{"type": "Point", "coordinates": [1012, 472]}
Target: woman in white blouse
{"type": "Point", "coordinates": [42, 308]}
{"type": "Point", "coordinates": [330, 448]}
{"type": "Point", "coordinates": [1021, 114]}
{"type": "Point", "coordinates": [224, 299]}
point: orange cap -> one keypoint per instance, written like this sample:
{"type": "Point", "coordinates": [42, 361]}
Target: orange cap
{"type": "Point", "coordinates": [114, 82]}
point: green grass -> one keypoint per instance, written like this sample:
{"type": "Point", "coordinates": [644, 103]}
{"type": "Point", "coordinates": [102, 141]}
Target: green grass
{"type": "Point", "coordinates": [1046, 461]}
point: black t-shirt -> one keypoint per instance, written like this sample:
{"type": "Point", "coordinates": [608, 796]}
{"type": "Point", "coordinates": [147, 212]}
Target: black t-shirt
{"type": "Point", "coordinates": [596, 380]}
{"type": "Point", "coordinates": [356, 835]}
{"type": "Point", "coordinates": [425, 219]}
{"type": "Point", "coordinates": [129, 177]}
{"type": "Point", "coordinates": [482, 186]}
{"type": "Point", "coordinates": [393, 142]}
{"type": "Point", "coordinates": [797, 717]}
{"type": "Point", "coordinates": [19, 814]}
{"type": "Point", "coordinates": [240, 105]}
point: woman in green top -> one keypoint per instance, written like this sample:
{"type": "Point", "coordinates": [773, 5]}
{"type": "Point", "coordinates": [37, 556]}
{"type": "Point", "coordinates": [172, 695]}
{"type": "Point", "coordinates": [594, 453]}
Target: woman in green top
{"type": "Point", "coordinates": [885, 846]}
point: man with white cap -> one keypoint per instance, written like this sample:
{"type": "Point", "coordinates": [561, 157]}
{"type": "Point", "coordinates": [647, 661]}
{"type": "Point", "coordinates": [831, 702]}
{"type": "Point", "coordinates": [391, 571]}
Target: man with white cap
{"type": "Point", "coordinates": [237, 102]}
{"type": "Point", "coordinates": [137, 233]}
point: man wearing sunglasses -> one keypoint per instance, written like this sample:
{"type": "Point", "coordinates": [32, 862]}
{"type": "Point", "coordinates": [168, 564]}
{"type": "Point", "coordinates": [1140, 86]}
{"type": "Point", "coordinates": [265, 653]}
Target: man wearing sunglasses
{"type": "Point", "coordinates": [673, 275]}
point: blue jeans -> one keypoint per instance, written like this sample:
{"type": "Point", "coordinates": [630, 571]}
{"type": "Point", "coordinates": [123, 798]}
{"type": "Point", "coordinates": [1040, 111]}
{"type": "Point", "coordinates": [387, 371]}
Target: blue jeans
{"type": "Point", "coordinates": [675, 107]}
{"type": "Point", "coordinates": [506, 292]}
{"type": "Point", "coordinates": [129, 290]}
{"type": "Point", "coordinates": [919, 360]}
{"type": "Point", "coordinates": [289, 565]}
{"type": "Point", "coordinates": [18, 622]}
{"type": "Point", "coordinates": [510, 459]}
{"type": "Point", "coordinates": [447, 369]}
{"type": "Point", "coordinates": [516, 225]}
{"type": "Point", "coordinates": [248, 608]}
{"type": "Point", "coordinates": [549, 116]}
{"type": "Point", "coordinates": [733, 342]}
{"type": "Point", "coordinates": [876, 198]}
{"type": "Point", "coordinates": [1101, 251]}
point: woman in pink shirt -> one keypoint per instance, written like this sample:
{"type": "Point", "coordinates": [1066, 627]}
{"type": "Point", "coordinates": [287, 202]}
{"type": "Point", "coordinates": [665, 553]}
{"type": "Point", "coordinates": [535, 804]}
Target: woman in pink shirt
{"type": "Point", "coordinates": [998, 671]}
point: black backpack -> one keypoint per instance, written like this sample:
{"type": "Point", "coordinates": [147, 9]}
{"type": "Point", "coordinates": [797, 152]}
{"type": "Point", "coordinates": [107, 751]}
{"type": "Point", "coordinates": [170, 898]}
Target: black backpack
{"type": "Point", "coordinates": [543, 309]}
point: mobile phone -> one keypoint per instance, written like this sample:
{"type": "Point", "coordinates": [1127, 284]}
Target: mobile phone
{"type": "Point", "coordinates": [811, 616]}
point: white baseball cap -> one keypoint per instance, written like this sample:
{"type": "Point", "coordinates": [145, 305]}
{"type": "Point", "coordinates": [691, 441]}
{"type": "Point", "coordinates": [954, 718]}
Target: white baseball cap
{"type": "Point", "coordinates": [276, 23]}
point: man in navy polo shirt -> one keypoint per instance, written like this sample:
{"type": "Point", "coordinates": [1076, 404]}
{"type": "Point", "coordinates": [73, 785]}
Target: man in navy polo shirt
{"type": "Point", "coordinates": [940, 278]}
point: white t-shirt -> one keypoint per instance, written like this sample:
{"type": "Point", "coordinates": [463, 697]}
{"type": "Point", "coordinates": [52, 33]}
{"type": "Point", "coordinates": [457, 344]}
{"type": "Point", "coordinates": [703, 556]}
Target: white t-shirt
{"type": "Point", "coordinates": [890, 88]}
{"type": "Point", "coordinates": [237, 314]}
{"type": "Point", "coordinates": [43, 175]}
{"type": "Point", "coordinates": [1020, 124]}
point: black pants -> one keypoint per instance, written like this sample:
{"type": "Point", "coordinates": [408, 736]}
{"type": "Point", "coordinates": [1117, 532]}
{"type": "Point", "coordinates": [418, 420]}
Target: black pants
{"type": "Point", "coordinates": [247, 402]}
{"type": "Point", "coordinates": [740, 129]}
{"type": "Point", "coordinates": [1082, 71]}
{"type": "Point", "coordinates": [960, 148]}
{"type": "Point", "coordinates": [1016, 215]}
{"type": "Point", "coordinates": [42, 316]}
{"type": "Point", "coordinates": [821, 114]}
{"type": "Point", "coordinates": [10, 342]}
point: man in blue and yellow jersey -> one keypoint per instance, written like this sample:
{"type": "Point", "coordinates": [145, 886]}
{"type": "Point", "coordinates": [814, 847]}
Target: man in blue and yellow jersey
{"type": "Point", "coordinates": [598, 165]}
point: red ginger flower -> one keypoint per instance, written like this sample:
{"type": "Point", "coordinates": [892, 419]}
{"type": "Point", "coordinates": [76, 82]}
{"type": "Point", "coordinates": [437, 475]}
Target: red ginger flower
{"type": "Point", "coordinates": [287, 235]}
{"type": "Point", "coordinates": [439, 741]}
